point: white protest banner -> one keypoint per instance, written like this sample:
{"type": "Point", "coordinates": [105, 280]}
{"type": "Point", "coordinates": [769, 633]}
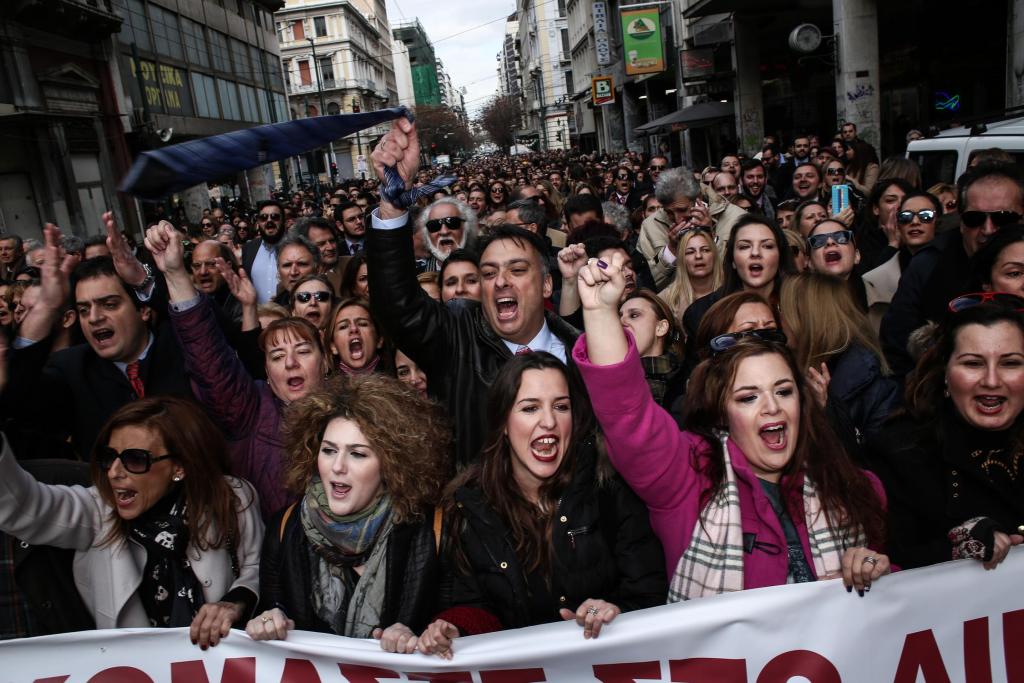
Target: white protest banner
{"type": "Point", "coordinates": [951, 623]}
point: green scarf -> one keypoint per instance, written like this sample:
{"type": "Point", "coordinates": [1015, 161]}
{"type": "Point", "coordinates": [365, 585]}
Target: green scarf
{"type": "Point", "coordinates": [345, 540]}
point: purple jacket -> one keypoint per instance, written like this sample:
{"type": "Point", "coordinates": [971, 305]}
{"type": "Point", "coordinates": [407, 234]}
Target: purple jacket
{"type": "Point", "coordinates": [657, 460]}
{"type": "Point", "coordinates": [245, 409]}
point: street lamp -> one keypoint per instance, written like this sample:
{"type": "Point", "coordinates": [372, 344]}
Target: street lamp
{"type": "Point", "coordinates": [320, 90]}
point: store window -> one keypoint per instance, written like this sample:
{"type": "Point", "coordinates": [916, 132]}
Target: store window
{"type": "Point", "coordinates": [166, 32]}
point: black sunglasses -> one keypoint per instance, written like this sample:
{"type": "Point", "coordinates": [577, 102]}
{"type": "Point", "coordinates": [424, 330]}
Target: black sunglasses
{"type": "Point", "coordinates": [270, 216]}
{"type": "Point", "coordinates": [453, 222]}
{"type": "Point", "coordinates": [656, 168]}
{"type": "Point", "coordinates": [135, 460]}
{"type": "Point", "coordinates": [320, 295]}
{"type": "Point", "coordinates": [976, 219]}
{"type": "Point", "coordinates": [962, 303]}
{"type": "Point", "coordinates": [907, 217]}
{"type": "Point", "coordinates": [835, 171]}
{"type": "Point", "coordinates": [839, 237]}
{"type": "Point", "coordinates": [724, 342]}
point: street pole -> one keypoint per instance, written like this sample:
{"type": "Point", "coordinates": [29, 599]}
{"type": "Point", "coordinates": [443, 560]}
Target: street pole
{"type": "Point", "coordinates": [323, 103]}
{"type": "Point", "coordinates": [543, 107]}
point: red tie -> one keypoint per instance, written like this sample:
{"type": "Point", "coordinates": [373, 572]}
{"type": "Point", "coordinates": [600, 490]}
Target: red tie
{"type": "Point", "coordinates": [523, 350]}
{"type": "Point", "coordinates": [132, 370]}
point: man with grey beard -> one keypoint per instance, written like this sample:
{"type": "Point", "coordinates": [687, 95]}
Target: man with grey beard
{"type": "Point", "coordinates": [446, 225]}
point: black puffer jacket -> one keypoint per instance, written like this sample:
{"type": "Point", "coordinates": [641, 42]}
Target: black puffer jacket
{"type": "Point", "coordinates": [459, 351]}
{"type": "Point", "coordinates": [286, 573]}
{"type": "Point", "coordinates": [603, 544]}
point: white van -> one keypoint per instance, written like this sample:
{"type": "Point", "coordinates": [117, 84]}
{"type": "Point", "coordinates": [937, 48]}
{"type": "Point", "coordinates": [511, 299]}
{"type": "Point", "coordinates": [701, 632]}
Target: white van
{"type": "Point", "coordinates": [943, 158]}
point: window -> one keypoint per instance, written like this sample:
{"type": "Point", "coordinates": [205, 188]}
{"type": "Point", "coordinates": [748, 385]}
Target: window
{"type": "Point", "coordinates": [195, 43]}
{"type": "Point", "coordinates": [204, 95]}
{"type": "Point", "coordinates": [327, 72]}
{"type": "Point", "coordinates": [272, 65]}
{"type": "Point", "coordinates": [250, 110]}
{"type": "Point", "coordinates": [229, 100]}
{"type": "Point", "coordinates": [166, 34]}
{"type": "Point", "coordinates": [219, 51]}
{"type": "Point", "coordinates": [312, 111]}
{"type": "Point", "coordinates": [299, 30]}
{"type": "Point", "coordinates": [936, 166]}
{"type": "Point", "coordinates": [568, 82]}
{"type": "Point", "coordinates": [333, 108]}
{"type": "Point", "coordinates": [135, 28]}
{"type": "Point", "coordinates": [241, 8]}
{"type": "Point", "coordinates": [304, 75]}
{"type": "Point", "coordinates": [320, 26]}
{"type": "Point", "coordinates": [561, 8]}
{"type": "Point", "coordinates": [240, 56]}
{"type": "Point", "coordinates": [257, 65]}
{"type": "Point", "coordinates": [565, 43]}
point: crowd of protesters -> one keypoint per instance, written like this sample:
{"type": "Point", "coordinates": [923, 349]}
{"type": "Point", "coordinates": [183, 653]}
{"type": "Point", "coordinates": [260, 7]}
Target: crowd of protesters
{"type": "Point", "coordinates": [562, 387]}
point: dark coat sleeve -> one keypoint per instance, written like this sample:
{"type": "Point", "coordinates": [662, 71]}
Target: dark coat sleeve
{"type": "Point", "coordinates": [638, 553]}
{"type": "Point", "coordinates": [219, 380]}
{"type": "Point", "coordinates": [461, 601]}
{"type": "Point", "coordinates": [906, 313]}
{"type": "Point", "coordinates": [35, 389]}
{"type": "Point", "coordinates": [421, 327]}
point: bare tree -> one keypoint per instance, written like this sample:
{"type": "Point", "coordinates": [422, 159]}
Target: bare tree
{"type": "Point", "coordinates": [500, 118]}
{"type": "Point", "coordinates": [441, 131]}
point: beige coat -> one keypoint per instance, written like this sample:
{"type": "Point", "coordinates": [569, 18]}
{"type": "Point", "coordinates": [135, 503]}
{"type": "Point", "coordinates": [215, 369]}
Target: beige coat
{"type": "Point", "coordinates": [107, 577]}
{"type": "Point", "coordinates": [654, 235]}
{"type": "Point", "coordinates": [880, 286]}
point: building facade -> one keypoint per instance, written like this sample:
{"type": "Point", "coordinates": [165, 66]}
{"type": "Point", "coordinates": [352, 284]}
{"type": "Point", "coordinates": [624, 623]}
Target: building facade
{"type": "Point", "coordinates": [545, 63]}
{"type": "Point", "coordinates": [336, 57]}
{"type": "Point", "coordinates": [422, 62]}
{"type": "Point", "coordinates": [89, 84]}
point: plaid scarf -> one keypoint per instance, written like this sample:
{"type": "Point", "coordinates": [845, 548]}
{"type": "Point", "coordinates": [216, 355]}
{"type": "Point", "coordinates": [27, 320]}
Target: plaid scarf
{"type": "Point", "coordinates": [658, 370]}
{"type": "Point", "coordinates": [344, 540]}
{"type": "Point", "coordinates": [713, 562]}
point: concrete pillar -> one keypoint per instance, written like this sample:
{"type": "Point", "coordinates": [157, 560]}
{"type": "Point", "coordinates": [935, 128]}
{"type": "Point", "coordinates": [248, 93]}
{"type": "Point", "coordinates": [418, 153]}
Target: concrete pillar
{"type": "Point", "coordinates": [748, 102]}
{"type": "Point", "coordinates": [194, 200]}
{"type": "Point", "coordinates": [858, 91]}
{"type": "Point", "coordinates": [1015, 54]}
{"type": "Point", "coordinates": [631, 118]}
{"type": "Point", "coordinates": [613, 122]}
{"type": "Point", "coordinates": [260, 181]}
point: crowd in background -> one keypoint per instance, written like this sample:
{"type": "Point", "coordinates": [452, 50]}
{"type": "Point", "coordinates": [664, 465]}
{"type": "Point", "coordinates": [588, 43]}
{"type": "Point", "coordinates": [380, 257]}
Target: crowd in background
{"type": "Point", "coordinates": [562, 387]}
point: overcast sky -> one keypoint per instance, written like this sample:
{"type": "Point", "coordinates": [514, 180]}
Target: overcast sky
{"type": "Point", "coordinates": [469, 57]}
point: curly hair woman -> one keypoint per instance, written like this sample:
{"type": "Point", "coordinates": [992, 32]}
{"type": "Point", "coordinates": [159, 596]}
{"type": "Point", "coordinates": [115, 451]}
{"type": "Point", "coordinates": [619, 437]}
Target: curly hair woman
{"type": "Point", "coordinates": [356, 556]}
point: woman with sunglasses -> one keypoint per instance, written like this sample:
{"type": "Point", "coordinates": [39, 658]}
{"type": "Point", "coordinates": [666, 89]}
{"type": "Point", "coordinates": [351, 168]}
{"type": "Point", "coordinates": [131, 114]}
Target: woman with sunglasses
{"type": "Point", "coordinates": [163, 538]}
{"type": "Point", "coordinates": [312, 298]}
{"type": "Point", "coordinates": [916, 221]}
{"type": "Point", "coordinates": [497, 196]}
{"type": "Point", "coordinates": [540, 530]}
{"type": "Point", "coordinates": [951, 462]}
{"type": "Point", "coordinates": [757, 257]}
{"type": "Point", "coordinates": [247, 410]}
{"type": "Point", "coordinates": [757, 492]}
{"type": "Point", "coordinates": [356, 555]}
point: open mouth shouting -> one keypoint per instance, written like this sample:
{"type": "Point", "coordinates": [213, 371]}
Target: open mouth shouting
{"type": "Point", "coordinates": [314, 316]}
{"type": "Point", "coordinates": [755, 271]}
{"type": "Point", "coordinates": [774, 435]}
{"type": "Point", "coordinates": [507, 308]}
{"type": "Point", "coordinates": [832, 257]}
{"type": "Point", "coordinates": [104, 337]}
{"type": "Point", "coordinates": [545, 448]}
{"type": "Point", "coordinates": [296, 384]}
{"type": "Point", "coordinates": [989, 404]}
{"type": "Point", "coordinates": [125, 497]}
{"type": "Point", "coordinates": [338, 490]}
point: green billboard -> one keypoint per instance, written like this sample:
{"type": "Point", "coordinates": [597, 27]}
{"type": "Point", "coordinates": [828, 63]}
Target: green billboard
{"type": "Point", "coordinates": [641, 41]}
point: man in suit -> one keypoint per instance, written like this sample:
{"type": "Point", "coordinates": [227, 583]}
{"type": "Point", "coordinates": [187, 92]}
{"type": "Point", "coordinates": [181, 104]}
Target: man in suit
{"type": "Point", "coordinates": [258, 256]}
{"type": "Point", "coordinates": [352, 223]}
{"type": "Point", "coordinates": [72, 392]}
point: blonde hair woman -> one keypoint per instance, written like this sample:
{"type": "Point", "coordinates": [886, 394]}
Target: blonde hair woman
{"type": "Point", "coordinates": [699, 272]}
{"type": "Point", "coordinates": [835, 345]}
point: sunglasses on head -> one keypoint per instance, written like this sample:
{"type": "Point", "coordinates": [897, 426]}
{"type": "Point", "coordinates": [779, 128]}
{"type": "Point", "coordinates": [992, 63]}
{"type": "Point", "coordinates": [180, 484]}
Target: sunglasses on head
{"type": "Point", "coordinates": [906, 217]}
{"type": "Point", "coordinates": [962, 303]}
{"type": "Point", "coordinates": [839, 237]}
{"type": "Point", "coordinates": [976, 219]}
{"type": "Point", "coordinates": [730, 340]}
{"type": "Point", "coordinates": [270, 216]}
{"type": "Point", "coordinates": [134, 460]}
{"type": "Point", "coordinates": [453, 222]}
{"type": "Point", "coordinates": [320, 295]}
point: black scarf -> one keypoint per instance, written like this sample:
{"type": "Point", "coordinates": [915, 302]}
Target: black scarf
{"type": "Point", "coordinates": [170, 592]}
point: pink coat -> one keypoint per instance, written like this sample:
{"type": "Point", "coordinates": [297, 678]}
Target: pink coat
{"type": "Point", "coordinates": [657, 460]}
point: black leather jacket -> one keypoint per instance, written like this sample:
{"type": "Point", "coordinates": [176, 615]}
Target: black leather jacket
{"type": "Point", "coordinates": [458, 350]}
{"type": "Point", "coordinates": [286, 574]}
{"type": "Point", "coordinates": [603, 546]}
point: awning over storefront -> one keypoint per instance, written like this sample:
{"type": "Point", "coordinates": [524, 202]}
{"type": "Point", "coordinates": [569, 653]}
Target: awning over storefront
{"type": "Point", "coordinates": [160, 172]}
{"type": "Point", "coordinates": [694, 116]}
{"type": "Point", "coordinates": [703, 8]}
